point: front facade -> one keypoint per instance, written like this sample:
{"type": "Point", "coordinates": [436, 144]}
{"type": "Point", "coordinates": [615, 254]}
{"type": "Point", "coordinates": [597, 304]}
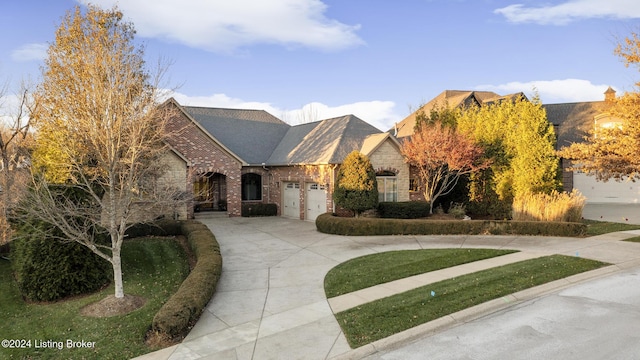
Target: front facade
{"type": "Point", "coordinates": [237, 157]}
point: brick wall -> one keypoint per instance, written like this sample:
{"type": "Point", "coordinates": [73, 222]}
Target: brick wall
{"type": "Point", "coordinates": [303, 175]}
{"type": "Point", "coordinates": [206, 156]}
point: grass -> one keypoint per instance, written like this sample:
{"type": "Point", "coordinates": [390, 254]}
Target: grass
{"type": "Point", "coordinates": [153, 268]}
{"type": "Point", "coordinates": [595, 227]}
{"type": "Point", "coordinates": [633, 239]}
{"type": "Point", "coordinates": [382, 318]}
{"type": "Point", "coordinates": [370, 270]}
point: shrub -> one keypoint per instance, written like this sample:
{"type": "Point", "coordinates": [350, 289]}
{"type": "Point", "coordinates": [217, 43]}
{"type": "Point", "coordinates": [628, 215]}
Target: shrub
{"type": "Point", "coordinates": [549, 207]}
{"type": "Point", "coordinates": [327, 223]}
{"type": "Point", "coordinates": [403, 210]}
{"type": "Point", "coordinates": [356, 186]}
{"type": "Point", "coordinates": [48, 269]}
{"type": "Point", "coordinates": [259, 209]}
{"type": "Point", "coordinates": [458, 211]}
{"type": "Point", "coordinates": [183, 309]}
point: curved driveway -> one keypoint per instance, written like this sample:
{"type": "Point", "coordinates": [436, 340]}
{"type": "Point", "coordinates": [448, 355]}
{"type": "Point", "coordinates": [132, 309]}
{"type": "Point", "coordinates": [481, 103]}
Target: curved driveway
{"type": "Point", "coordinates": [270, 302]}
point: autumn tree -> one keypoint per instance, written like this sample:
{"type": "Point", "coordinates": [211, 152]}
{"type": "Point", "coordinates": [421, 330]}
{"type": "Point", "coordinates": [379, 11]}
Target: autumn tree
{"type": "Point", "coordinates": [99, 133]}
{"type": "Point", "coordinates": [520, 142]}
{"type": "Point", "coordinates": [612, 153]}
{"type": "Point", "coordinates": [441, 155]}
{"type": "Point", "coordinates": [14, 155]}
{"type": "Point", "coordinates": [356, 187]}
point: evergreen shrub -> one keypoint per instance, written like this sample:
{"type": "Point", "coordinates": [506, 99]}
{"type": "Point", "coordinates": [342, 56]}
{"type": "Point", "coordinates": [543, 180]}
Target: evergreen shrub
{"type": "Point", "coordinates": [49, 269]}
{"type": "Point", "coordinates": [259, 209]}
{"type": "Point", "coordinates": [403, 210]}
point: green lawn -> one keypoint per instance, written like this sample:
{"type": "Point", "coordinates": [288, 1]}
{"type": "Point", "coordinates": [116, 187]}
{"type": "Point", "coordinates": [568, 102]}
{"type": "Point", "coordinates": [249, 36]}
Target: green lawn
{"type": "Point", "coordinates": [153, 268]}
{"type": "Point", "coordinates": [382, 318]}
{"type": "Point", "coordinates": [633, 239]}
{"type": "Point", "coordinates": [595, 227]}
{"type": "Point", "coordinates": [374, 269]}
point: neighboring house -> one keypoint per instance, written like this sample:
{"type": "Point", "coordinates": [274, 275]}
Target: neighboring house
{"type": "Point", "coordinates": [448, 98]}
{"type": "Point", "coordinates": [573, 122]}
{"type": "Point", "coordinates": [236, 156]}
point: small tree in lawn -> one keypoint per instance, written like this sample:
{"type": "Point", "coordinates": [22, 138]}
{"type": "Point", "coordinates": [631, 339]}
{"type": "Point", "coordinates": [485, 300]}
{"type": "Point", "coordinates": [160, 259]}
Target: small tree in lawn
{"type": "Point", "coordinates": [356, 187]}
{"type": "Point", "coordinates": [441, 156]}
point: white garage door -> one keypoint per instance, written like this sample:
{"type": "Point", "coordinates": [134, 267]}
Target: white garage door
{"type": "Point", "coordinates": [291, 200]}
{"type": "Point", "coordinates": [316, 200]}
{"type": "Point", "coordinates": [606, 192]}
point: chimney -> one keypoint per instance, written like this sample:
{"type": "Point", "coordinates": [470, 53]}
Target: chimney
{"type": "Point", "coordinates": [609, 95]}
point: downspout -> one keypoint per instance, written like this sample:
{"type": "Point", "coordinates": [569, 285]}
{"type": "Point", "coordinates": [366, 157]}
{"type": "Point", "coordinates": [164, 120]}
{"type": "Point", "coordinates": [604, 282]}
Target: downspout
{"type": "Point", "coordinates": [268, 182]}
{"type": "Point", "coordinates": [332, 186]}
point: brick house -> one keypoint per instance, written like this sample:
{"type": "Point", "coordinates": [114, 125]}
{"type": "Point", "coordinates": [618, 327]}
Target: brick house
{"type": "Point", "coordinates": [233, 156]}
{"type": "Point", "coordinates": [571, 122]}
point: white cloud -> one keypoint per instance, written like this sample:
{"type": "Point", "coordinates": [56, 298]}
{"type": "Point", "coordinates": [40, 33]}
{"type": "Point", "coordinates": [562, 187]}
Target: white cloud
{"type": "Point", "coordinates": [553, 91]}
{"type": "Point", "coordinates": [380, 114]}
{"type": "Point", "coordinates": [224, 26]}
{"type": "Point", "coordinates": [572, 10]}
{"type": "Point", "coordinates": [29, 52]}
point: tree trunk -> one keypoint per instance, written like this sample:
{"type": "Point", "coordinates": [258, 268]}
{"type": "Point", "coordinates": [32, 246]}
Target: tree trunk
{"type": "Point", "coordinates": [117, 274]}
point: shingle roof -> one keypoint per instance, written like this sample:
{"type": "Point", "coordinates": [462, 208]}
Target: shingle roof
{"type": "Point", "coordinates": [572, 121]}
{"type": "Point", "coordinates": [322, 142]}
{"type": "Point", "coordinates": [251, 134]}
{"type": "Point", "coordinates": [452, 99]}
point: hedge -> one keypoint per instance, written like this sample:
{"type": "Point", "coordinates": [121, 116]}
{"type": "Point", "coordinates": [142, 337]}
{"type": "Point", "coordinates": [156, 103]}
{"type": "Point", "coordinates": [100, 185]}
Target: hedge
{"type": "Point", "coordinates": [330, 224]}
{"type": "Point", "coordinates": [403, 210]}
{"type": "Point", "coordinates": [182, 310]}
{"type": "Point", "coordinates": [259, 209]}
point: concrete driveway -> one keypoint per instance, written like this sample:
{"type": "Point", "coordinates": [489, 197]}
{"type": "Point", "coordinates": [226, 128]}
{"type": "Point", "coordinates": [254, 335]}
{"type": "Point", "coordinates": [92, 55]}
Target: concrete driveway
{"type": "Point", "coordinates": [270, 301]}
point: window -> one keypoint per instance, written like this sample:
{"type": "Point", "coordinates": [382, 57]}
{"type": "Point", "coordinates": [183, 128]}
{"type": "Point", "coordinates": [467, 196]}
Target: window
{"type": "Point", "coordinates": [387, 186]}
{"type": "Point", "coordinates": [251, 187]}
{"type": "Point", "coordinates": [413, 184]}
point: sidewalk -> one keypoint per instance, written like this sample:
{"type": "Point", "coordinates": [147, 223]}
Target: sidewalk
{"type": "Point", "coordinates": [270, 301]}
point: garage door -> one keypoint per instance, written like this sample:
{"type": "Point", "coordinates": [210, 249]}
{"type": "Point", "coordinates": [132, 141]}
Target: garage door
{"type": "Point", "coordinates": [606, 192]}
{"type": "Point", "coordinates": [316, 200]}
{"type": "Point", "coordinates": [291, 200]}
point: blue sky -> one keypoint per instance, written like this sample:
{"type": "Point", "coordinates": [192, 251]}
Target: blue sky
{"type": "Point", "coordinates": [378, 59]}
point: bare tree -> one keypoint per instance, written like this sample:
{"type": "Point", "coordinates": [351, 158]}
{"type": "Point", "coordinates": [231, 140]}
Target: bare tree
{"type": "Point", "coordinates": [100, 135]}
{"type": "Point", "coordinates": [14, 157]}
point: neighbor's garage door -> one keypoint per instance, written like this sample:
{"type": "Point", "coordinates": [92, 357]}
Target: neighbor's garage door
{"type": "Point", "coordinates": [291, 200]}
{"type": "Point", "coordinates": [316, 200]}
{"type": "Point", "coordinates": [606, 192]}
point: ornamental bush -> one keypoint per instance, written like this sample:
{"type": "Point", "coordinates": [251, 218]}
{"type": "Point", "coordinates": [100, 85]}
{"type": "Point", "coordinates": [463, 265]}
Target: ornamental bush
{"type": "Point", "coordinates": [259, 209]}
{"type": "Point", "coordinates": [403, 210]}
{"type": "Point", "coordinates": [48, 269]}
{"type": "Point", "coordinates": [356, 187]}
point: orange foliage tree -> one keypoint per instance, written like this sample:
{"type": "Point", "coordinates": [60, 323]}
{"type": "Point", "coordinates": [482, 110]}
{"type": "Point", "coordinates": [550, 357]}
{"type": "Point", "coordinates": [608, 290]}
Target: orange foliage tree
{"type": "Point", "coordinates": [441, 155]}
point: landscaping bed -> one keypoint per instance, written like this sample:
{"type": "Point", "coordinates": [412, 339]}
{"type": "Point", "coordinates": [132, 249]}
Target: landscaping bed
{"type": "Point", "coordinates": [331, 224]}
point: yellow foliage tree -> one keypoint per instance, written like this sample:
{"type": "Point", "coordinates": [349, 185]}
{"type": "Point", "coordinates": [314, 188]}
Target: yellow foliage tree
{"type": "Point", "coordinates": [100, 132]}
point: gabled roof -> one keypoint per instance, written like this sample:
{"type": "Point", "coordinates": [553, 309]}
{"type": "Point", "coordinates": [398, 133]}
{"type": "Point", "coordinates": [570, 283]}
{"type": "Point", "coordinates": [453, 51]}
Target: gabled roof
{"type": "Point", "coordinates": [373, 142]}
{"type": "Point", "coordinates": [573, 121]}
{"type": "Point", "coordinates": [251, 134]}
{"type": "Point", "coordinates": [452, 99]}
{"type": "Point", "coordinates": [322, 142]}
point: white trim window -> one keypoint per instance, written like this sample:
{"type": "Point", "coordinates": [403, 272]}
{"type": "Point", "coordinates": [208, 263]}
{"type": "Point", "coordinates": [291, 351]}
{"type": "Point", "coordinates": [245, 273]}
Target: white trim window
{"type": "Point", "coordinates": [387, 186]}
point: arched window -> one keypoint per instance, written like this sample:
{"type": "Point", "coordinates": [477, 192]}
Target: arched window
{"type": "Point", "coordinates": [387, 186]}
{"type": "Point", "coordinates": [251, 186]}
